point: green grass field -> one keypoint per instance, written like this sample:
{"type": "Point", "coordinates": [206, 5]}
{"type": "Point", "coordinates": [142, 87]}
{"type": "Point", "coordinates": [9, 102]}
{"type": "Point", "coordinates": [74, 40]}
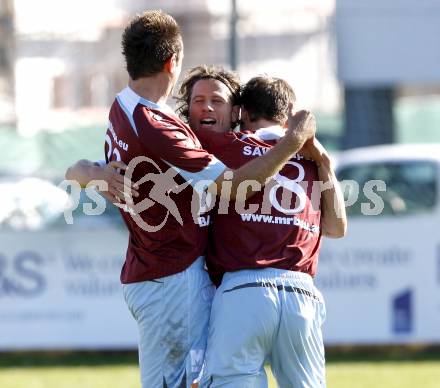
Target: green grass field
{"type": "Point", "coordinates": [368, 368]}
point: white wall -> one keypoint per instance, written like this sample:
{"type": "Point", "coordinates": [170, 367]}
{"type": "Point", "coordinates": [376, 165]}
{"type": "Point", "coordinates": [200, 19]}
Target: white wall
{"type": "Point", "coordinates": [388, 41]}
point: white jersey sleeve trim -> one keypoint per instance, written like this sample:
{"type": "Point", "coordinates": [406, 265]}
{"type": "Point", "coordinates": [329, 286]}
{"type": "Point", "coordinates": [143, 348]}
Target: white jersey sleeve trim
{"type": "Point", "coordinates": [209, 174]}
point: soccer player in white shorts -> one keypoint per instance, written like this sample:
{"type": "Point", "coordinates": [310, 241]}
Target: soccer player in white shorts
{"type": "Point", "coordinates": [267, 307]}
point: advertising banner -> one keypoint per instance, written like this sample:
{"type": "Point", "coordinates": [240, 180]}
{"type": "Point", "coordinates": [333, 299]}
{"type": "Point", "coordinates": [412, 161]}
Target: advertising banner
{"type": "Point", "coordinates": [62, 290]}
{"type": "Point", "coordinates": [381, 282]}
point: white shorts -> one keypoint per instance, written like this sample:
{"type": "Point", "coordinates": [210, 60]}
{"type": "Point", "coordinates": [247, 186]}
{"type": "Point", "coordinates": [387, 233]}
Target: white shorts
{"type": "Point", "coordinates": [172, 314]}
{"type": "Point", "coordinates": [260, 316]}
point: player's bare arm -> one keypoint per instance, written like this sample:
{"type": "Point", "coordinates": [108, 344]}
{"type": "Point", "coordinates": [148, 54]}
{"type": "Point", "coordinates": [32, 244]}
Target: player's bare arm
{"type": "Point", "coordinates": [302, 126]}
{"type": "Point", "coordinates": [333, 215]}
{"type": "Point", "coordinates": [334, 218]}
{"type": "Point", "coordinates": [84, 171]}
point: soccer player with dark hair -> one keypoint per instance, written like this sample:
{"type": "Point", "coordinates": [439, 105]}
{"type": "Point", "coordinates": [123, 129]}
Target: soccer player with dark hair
{"type": "Point", "coordinates": [263, 252]}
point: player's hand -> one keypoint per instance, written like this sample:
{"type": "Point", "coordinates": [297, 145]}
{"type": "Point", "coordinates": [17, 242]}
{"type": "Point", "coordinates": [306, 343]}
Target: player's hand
{"type": "Point", "coordinates": [118, 187]}
{"type": "Point", "coordinates": [302, 125]}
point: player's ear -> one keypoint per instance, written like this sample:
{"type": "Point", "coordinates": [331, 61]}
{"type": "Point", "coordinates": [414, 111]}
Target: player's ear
{"type": "Point", "coordinates": [235, 115]}
{"type": "Point", "coordinates": [244, 115]}
{"type": "Point", "coordinates": [170, 65]}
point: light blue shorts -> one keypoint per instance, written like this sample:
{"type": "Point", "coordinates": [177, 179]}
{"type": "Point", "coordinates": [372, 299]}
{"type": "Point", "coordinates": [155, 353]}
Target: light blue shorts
{"type": "Point", "coordinates": [260, 316]}
{"type": "Point", "coordinates": [172, 314]}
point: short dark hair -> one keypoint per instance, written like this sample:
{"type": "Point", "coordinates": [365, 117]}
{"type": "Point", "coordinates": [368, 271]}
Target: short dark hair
{"type": "Point", "coordinates": [228, 78]}
{"type": "Point", "coordinates": [149, 41]}
{"type": "Point", "coordinates": [268, 98]}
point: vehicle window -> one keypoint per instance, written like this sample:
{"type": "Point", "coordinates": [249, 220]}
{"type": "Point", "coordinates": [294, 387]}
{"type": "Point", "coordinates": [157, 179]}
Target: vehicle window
{"type": "Point", "coordinates": [411, 186]}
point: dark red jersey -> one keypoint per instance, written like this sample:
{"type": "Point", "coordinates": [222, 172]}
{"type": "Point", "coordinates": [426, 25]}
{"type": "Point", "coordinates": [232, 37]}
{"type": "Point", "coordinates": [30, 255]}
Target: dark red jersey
{"type": "Point", "coordinates": [277, 227]}
{"type": "Point", "coordinates": [168, 160]}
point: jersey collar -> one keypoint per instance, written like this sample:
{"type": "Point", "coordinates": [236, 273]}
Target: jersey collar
{"type": "Point", "coordinates": [275, 132]}
{"type": "Point", "coordinates": [130, 95]}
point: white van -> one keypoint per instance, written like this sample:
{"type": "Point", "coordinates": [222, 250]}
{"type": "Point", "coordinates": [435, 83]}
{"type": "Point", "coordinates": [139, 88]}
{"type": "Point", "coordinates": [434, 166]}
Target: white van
{"type": "Point", "coordinates": [382, 281]}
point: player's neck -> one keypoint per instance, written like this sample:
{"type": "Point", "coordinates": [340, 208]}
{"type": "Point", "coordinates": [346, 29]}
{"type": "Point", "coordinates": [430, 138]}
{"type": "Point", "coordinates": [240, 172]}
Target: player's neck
{"type": "Point", "coordinates": [155, 88]}
{"type": "Point", "coordinates": [258, 124]}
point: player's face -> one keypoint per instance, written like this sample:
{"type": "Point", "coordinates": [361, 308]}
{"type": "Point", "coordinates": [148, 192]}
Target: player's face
{"type": "Point", "coordinates": [210, 106]}
{"type": "Point", "coordinates": [178, 67]}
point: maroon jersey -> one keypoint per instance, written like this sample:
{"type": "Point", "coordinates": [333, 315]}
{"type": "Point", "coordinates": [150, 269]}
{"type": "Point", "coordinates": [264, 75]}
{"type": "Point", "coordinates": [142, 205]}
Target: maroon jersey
{"type": "Point", "coordinates": [164, 238]}
{"type": "Point", "coordinates": [277, 227]}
